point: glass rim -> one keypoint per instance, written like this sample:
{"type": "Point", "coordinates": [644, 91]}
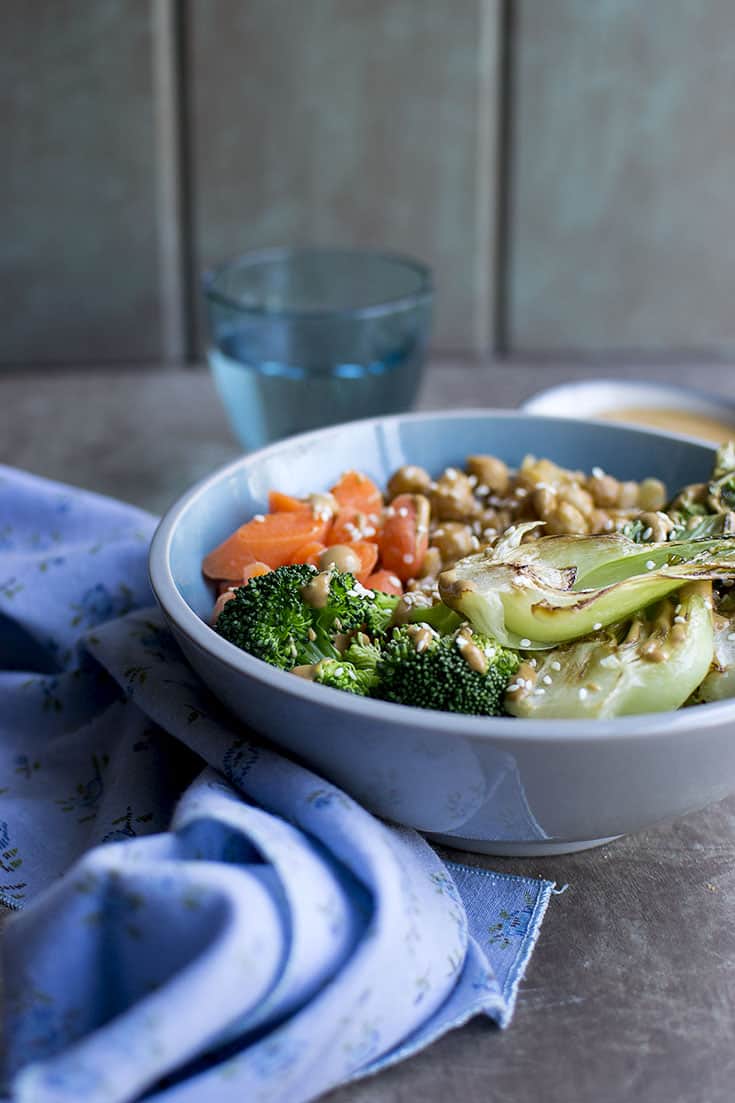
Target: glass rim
{"type": "Point", "coordinates": [424, 293]}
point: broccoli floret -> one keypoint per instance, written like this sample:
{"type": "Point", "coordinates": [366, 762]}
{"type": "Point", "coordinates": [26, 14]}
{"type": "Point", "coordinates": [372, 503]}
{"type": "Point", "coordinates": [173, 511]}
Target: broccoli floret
{"type": "Point", "coordinates": [340, 674]}
{"type": "Point", "coordinates": [423, 669]}
{"type": "Point", "coordinates": [381, 608]}
{"type": "Point", "coordinates": [275, 618]}
{"type": "Point", "coordinates": [363, 653]}
{"type": "Point", "coordinates": [415, 608]}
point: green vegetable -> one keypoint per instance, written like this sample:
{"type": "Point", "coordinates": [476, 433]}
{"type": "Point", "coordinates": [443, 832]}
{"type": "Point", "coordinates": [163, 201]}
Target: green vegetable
{"type": "Point", "coordinates": [719, 682]}
{"type": "Point", "coordinates": [413, 608]}
{"type": "Point", "coordinates": [271, 619]}
{"type": "Point", "coordinates": [560, 588]}
{"type": "Point", "coordinates": [649, 664]}
{"type": "Point", "coordinates": [340, 674]}
{"type": "Point", "coordinates": [428, 671]}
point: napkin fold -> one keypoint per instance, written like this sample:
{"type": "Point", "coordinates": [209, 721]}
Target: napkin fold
{"type": "Point", "coordinates": [202, 918]}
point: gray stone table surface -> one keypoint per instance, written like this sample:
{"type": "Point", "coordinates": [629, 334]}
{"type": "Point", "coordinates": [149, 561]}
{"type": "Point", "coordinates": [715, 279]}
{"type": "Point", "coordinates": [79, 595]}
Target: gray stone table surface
{"type": "Point", "coordinates": [630, 994]}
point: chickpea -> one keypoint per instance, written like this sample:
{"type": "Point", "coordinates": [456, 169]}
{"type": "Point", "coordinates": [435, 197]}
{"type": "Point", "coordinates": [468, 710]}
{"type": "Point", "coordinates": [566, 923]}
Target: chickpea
{"type": "Point", "coordinates": [432, 563]}
{"type": "Point", "coordinates": [543, 500]}
{"type": "Point", "coordinates": [566, 520]}
{"type": "Point", "coordinates": [342, 557]}
{"type": "Point", "coordinates": [452, 498]}
{"type": "Point", "coordinates": [453, 541]}
{"type": "Point", "coordinates": [490, 472]}
{"type": "Point", "coordinates": [600, 521]}
{"type": "Point", "coordinates": [409, 479]}
{"type": "Point", "coordinates": [659, 524]}
{"type": "Point", "coordinates": [498, 519]}
{"type": "Point", "coordinates": [324, 506]}
{"type": "Point", "coordinates": [651, 495]}
{"type": "Point", "coordinates": [578, 497]}
{"type": "Point", "coordinates": [627, 495]}
{"type": "Point", "coordinates": [604, 490]}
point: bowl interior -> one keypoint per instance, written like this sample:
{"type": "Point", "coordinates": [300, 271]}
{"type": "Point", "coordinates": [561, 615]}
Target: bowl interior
{"type": "Point", "coordinates": [313, 462]}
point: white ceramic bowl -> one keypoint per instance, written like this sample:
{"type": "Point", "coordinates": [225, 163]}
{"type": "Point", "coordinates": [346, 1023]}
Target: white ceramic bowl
{"type": "Point", "coordinates": [496, 785]}
{"type": "Point", "coordinates": [597, 397]}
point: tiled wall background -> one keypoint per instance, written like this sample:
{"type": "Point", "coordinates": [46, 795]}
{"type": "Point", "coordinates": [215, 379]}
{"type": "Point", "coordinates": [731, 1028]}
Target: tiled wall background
{"type": "Point", "coordinates": [567, 167]}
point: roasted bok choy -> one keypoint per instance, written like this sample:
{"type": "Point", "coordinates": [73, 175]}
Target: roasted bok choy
{"type": "Point", "coordinates": [533, 596]}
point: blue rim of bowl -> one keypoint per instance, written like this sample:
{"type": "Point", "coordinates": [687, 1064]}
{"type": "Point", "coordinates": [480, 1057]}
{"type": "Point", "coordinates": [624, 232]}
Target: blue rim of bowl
{"type": "Point", "coordinates": [423, 294]}
{"type": "Point", "coordinates": [506, 729]}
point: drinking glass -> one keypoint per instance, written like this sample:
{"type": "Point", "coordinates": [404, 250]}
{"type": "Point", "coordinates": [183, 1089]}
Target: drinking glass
{"type": "Point", "coordinates": [301, 338]}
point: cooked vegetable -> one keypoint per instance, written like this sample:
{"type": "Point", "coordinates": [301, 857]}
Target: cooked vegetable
{"type": "Point", "coordinates": [294, 615]}
{"type": "Point", "coordinates": [719, 681]}
{"type": "Point", "coordinates": [649, 664]}
{"type": "Point", "coordinates": [535, 595]}
{"type": "Point", "coordinates": [405, 535]}
{"type": "Point", "coordinates": [272, 538]}
{"type": "Point", "coordinates": [340, 674]}
{"type": "Point", "coordinates": [359, 493]}
{"type": "Point", "coordinates": [463, 672]}
{"type": "Point", "coordinates": [385, 581]}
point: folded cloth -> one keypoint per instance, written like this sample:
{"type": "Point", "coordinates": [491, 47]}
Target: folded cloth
{"type": "Point", "coordinates": [202, 918]}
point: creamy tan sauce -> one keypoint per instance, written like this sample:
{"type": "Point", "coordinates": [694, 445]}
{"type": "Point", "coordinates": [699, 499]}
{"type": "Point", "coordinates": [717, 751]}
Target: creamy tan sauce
{"type": "Point", "coordinates": [675, 421]}
{"type": "Point", "coordinates": [316, 591]}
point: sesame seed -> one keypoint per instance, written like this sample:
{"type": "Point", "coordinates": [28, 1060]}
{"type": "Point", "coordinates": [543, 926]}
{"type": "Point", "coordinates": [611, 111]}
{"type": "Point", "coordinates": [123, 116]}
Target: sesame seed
{"type": "Point", "coordinates": [472, 480]}
{"type": "Point", "coordinates": [525, 642]}
{"type": "Point", "coordinates": [512, 688]}
{"type": "Point", "coordinates": [451, 473]}
{"type": "Point", "coordinates": [647, 534]}
{"type": "Point", "coordinates": [533, 663]}
{"type": "Point", "coordinates": [650, 565]}
{"type": "Point", "coordinates": [259, 517]}
{"type": "Point", "coordinates": [682, 620]}
{"type": "Point", "coordinates": [556, 665]}
{"type": "Point", "coordinates": [538, 691]}
{"type": "Point", "coordinates": [608, 526]}
{"type": "Point", "coordinates": [583, 694]}
{"type": "Point", "coordinates": [597, 626]}
{"type": "Point", "coordinates": [521, 492]}
{"type": "Point", "coordinates": [339, 671]}
{"type": "Point", "coordinates": [482, 490]}
{"type": "Point", "coordinates": [677, 608]}
{"type": "Point", "coordinates": [597, 472]}
{"type": "Point", "coordinates": [408, 558]}
{"type": "Point", "coordinates": [547, 679]}
{"type": "Point", "coordinates": [403, 512]}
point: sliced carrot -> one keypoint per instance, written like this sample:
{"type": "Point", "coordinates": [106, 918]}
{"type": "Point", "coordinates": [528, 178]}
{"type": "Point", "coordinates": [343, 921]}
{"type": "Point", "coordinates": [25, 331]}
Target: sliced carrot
{"type": "Point", "coordinates": [254, 570]}
{"type": "Point", "coordinates": [404, 537]}
{"type": "Point", "coordinates": [368, 554]}
{"type": "Point", "coordinates": [352, 525]}
{"type": "Point", "coordinates": [285, 503]}
{"type": "Point", "coordinates": [384, 581]}
{"type": "Point", "coordinates": [356, 491]}
{"type": "Point", "coordinates": [309, 553]}
{"type": "Point", "coordinates": [272, 539]}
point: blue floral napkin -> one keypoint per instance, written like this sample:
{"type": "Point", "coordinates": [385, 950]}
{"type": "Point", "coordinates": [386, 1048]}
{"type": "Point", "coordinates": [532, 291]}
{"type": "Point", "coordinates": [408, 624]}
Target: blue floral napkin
{"type": "Point", "coordinates": [201, 917]}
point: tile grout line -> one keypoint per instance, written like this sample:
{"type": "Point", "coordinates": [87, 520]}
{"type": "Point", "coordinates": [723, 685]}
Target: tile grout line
{"type": "Point", "coordinates": [487, 172]}
{"type": "Point", "coordinates": [169, 170]}
{"type": "Point", "coordinates": [500, 291]}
